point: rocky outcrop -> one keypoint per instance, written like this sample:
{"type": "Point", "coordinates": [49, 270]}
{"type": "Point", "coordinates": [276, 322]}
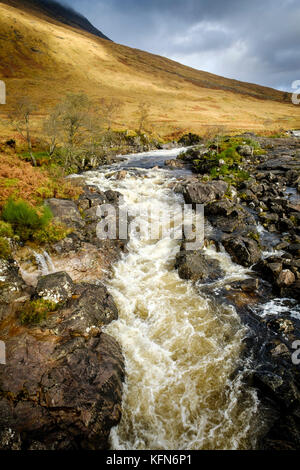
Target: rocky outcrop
{"type": "Point", "coordinates": [61, 386]}
{"type": "Point", "coordinates": [261, 213]}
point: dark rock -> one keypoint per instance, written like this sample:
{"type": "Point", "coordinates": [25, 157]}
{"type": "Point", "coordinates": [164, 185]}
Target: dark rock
{"type": "Point", "coordinates": [113, 197]}
{"type": "Point", "coordinates": [12, 286]}
{"type": "Point", "coordinates": [229, 217]}
{"type": "Point", "coordinates": [91, 197]}
{"type": "Point", "coordinates": [292, 291]}
{"type": "Point", "coordinates": [195, 266]}
{"type": "Point", "coordinates": [64, 395]}
{"type": "Point", "coordinates": [242, 250]}
{"type": "Point", "coordinates": [202, 193]}
{"type": "Point", "coordinates": [10, 440]}
{"type": "Point", "coordinates": [65, 211]}
{"type": "Point", "coordinates": [190, 139]}
{"type": "Point", "coordinates": [90, 309]}
{"type": "Point", "coordinates": [56, 287]}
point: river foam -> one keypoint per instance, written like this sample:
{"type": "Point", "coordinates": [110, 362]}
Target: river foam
{"type": "Point", "coordinates": [181, 349]}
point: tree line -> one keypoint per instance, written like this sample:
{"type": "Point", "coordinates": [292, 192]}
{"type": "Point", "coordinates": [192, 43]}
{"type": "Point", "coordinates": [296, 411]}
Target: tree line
{"type": "Point", "coordinates": [75, 128]}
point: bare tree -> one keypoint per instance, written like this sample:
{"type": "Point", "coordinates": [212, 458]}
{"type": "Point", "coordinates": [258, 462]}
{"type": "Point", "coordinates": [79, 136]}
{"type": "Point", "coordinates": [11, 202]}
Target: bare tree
{"type": "Point", "coordinates": [110, 108]}
{"type": "Point", "coordinates": [20, 117]}
{"type": "Point", "coordinates": [73, 113]}
{"type": "Point", "coordinates": [52, 129]}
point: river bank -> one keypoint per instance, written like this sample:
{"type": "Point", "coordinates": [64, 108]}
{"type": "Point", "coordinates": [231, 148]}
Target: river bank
{"type": "Point", "coordinates": [207, 365]}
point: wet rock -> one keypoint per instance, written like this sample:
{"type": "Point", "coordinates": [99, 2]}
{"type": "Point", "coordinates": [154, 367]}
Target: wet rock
{"type": "Point", "coordinates": [281, 350]}
{"type": "Point", "coordinates": [62, 394]}
{"type": "Point", "coordinates": [203, 193]}
{"type": "Point", "coordinates": [281, 325]}
{"type": "Point", "coordinates": [91, 197]}
{"type": "Point", "coordinates": [228, 217]}
{"type": "Point", "coordinates": [121, 175]}
{"type": "Point", "coordinates": [242, 250]}
{"type": "Point", "coordinates": [292, 291]}
{"type": "Point", "coordinates": [56, 287]}
{"type": "Point", "coordinates": [90, 309]}
{"type": "Point", "coordinates": [195, 266]}
{"type": "Point", "coordinates": [174, 163]}
{"type": "Point", "coordinates": [248, 285]}
{"type": "Point", "coordinates": [286, 278]}
{"type": "Point", "coordinates": [65, 211]}
{"type": "Point", "coordinates": [12, 286]}
{"type": "Point", "coordinates": [278, 385]}
{"type": "Point", "coordinates": [113, 197]}
{"type": "Point", "coordinates": [10, 440]}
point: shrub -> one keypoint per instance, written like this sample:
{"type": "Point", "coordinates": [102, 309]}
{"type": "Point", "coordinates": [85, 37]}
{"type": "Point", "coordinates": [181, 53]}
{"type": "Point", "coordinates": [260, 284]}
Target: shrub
{"type": "Point", "coordinates": [60, 189]}
{"type": "Point", "coordinates": [5, 251]}
{"type": "Point", "coordinates": [190, 139]}
{"type": "Point", "coordinates": [52, 233]}
{"type": "Point", "coordinates": [25, 219]}
{"type": "Point", "coordinates": [6, 230]}
{"type": "Point", "coordinates": [34, 312]}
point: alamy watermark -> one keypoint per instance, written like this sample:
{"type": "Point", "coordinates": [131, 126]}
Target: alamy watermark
{"type": "Point", "coordinates": [2, 92]}
{"type": "Point", "coordinates": [2, 353]}
{"type": "Point", "coordinates": [182, 223]}
{"type": "Point", "coordinates": [296, 354]}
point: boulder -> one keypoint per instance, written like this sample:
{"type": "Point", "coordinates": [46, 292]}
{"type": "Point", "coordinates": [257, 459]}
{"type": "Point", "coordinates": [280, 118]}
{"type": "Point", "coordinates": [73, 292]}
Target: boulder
{"type": "Point", "coordinates": [174, 163]}
{"type": "Point", "coordinates": [65, 211]}
{"type": "Point", "coordinates": [90, 309]}
{"type": "Point", "coordinates": [91, 197]}
{"type": "Point", "coordinates": [195, 266]}
{"type": "Point", "coordinates": [56, 287]}
{"type": "Point", "coordinates": [242, 250]}
{"type": "Point", "coordinates": [286, 278]}
{"type": "Point", "coordinates": [113, 197]}
{"type": "Point", "coordinates": [203, 193]}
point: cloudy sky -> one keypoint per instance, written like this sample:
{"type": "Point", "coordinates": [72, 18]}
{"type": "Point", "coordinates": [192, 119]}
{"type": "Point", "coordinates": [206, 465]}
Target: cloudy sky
{"type": "Point", "coordinates": [252, 40]}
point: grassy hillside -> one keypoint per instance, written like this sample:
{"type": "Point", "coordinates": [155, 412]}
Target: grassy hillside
{"type": "Point", "coordinates": [45, 59]}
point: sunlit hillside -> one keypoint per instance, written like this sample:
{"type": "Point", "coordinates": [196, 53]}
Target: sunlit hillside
{"type": "Point", "coordinates": [45, 59]}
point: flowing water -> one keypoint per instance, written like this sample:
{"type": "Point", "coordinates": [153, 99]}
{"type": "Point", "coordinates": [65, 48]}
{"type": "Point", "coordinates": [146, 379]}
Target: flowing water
{"type": "Point", "coordinates": [182, 349]}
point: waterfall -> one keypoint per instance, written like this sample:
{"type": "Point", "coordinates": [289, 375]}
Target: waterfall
{"type": "Point", "coordinates": [44, 263]}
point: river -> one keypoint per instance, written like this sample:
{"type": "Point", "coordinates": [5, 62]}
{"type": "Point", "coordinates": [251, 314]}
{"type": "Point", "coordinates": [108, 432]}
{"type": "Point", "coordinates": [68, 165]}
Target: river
{"type": "Point", "coordinates": [182, 349]}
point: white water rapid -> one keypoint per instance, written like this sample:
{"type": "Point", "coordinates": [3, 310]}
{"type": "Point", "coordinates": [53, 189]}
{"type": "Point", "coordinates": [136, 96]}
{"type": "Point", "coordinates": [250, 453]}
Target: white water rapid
{"type": "Point", "coordinates": [181, 349]}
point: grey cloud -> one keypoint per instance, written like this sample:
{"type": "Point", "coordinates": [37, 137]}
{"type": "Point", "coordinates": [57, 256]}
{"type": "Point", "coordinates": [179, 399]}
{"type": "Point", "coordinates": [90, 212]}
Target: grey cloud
{"type": "Point", "coordinates": [255, 41]}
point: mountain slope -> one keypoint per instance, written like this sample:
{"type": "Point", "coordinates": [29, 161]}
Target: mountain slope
{"type": "Point", "coordinates": [44, 58]}
{"type": "Point", "coordinates": [58, 12]}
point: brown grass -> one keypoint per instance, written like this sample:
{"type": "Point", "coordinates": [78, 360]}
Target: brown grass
{"type": "Point", "coordinates": [180, 98]}
{"type": "Point", "coordinates": [18, 179]}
